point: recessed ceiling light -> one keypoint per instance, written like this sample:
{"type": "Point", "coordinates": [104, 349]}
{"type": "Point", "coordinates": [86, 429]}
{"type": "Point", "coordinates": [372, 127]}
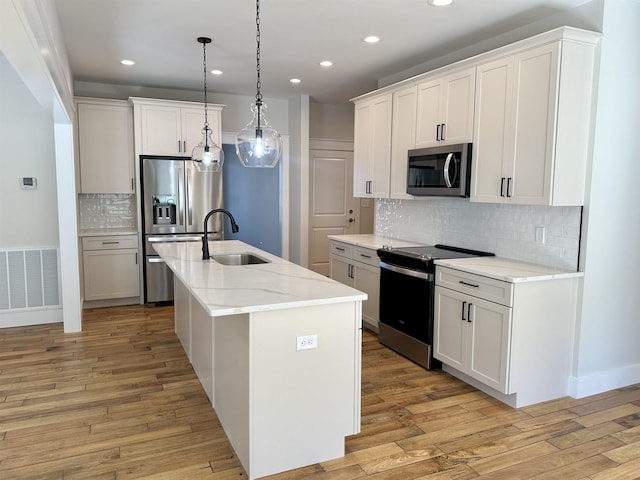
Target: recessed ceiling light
{"type": "Point", "coordinates": [127, 62]}
{"type": "Point", "coordinates": [440, 3]}
{"type": "Point", "coordinates": [216, 72]}
{"type": "Point", "coordinates": [372, 39]}
{"type": "Point", "coordinates": [326, 63]}
{"type": "Point", "coordinates": [295, 80]}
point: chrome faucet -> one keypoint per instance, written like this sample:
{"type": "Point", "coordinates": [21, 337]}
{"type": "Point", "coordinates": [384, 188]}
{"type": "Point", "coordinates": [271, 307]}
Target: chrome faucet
{"type": "Point", "coordinates": [205, 243]}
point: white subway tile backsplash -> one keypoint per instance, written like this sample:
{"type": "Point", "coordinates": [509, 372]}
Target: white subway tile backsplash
{"type": "Point", "coordinates": [102, 210]}
{"type": "Point", "coordinates": [507, 230]}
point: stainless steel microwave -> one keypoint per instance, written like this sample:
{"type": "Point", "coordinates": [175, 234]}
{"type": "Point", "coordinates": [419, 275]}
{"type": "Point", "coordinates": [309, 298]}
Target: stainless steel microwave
{"type": "Point", "coordinates": [440, 171]}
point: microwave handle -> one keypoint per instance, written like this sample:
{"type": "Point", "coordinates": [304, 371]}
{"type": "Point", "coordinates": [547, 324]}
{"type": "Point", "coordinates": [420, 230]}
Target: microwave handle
{"type": "Point", "coordinates": [447, 162]}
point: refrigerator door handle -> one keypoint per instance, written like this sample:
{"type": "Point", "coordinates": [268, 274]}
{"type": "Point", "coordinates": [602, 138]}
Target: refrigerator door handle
{"type": "Point", "coordinates": [180, 198]}
{"type": "Point", "coordinates": [188, 197]}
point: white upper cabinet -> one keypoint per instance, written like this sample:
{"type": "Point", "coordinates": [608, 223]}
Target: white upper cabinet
{"type": "Point", "coordinates": [532, 122]}
{"type": "Point", "coordinates": [173, 128]}
{"type": "Point", "coordinates": [403, 139]}
{"type": "Point", "coordinates": [372, 147]}
{"type": "Point", "coordinates": [105, 146]}
{"type": "Point", "coordinates": [526, 108]}
{"type": "Point", "coordinates": [445, 109]}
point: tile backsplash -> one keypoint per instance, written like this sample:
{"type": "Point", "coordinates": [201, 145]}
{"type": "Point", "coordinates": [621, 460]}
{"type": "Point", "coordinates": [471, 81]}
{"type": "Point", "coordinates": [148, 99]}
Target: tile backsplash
{"type": "Point", "coordinates": [107, 210]}
{"type": "Point", "coordinates": [509, 231]}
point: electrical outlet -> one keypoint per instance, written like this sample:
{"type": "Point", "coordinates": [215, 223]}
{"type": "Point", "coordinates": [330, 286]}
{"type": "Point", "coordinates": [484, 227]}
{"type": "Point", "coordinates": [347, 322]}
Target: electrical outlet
{"type": "Point", "coordinates": [540, 233]}
{"type": "Point", "coordinates": [307, 342]}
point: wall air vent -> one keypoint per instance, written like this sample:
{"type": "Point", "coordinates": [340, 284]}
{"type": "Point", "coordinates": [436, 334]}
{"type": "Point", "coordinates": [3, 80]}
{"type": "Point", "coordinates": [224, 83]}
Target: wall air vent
{"type": "Point", "coordinates": [29, 279]}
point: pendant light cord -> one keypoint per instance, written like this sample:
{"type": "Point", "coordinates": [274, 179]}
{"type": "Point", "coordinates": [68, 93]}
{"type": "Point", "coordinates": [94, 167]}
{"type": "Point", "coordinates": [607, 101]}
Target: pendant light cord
{"type": "Point", "coordinates": [258, 85]}
{"type": "Point", "coordinates": [204, 68]}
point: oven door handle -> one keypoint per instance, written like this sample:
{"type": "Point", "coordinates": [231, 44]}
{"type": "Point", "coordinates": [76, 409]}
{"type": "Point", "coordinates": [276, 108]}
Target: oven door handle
{"type": "Point", "coordinates": [406, 271]}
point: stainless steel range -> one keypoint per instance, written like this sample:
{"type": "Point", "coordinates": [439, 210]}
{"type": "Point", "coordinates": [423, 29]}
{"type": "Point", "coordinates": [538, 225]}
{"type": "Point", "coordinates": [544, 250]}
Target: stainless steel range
{"type": "Point", "coordinates": [407, 277]}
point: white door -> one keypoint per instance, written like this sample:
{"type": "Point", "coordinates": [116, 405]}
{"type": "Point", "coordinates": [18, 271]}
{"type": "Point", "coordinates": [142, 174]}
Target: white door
{"type": "Point", "coordinates": [332, 208]}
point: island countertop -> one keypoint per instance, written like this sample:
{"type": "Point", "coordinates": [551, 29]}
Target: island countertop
{"type": "Point", "coordinates": [233, 289]}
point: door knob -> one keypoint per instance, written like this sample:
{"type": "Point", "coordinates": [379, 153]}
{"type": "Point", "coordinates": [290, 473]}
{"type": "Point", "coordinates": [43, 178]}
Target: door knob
{"type": "Point", "coordinates": [351, 220]}
{"type": "Point", "coordinates": [350, 210]}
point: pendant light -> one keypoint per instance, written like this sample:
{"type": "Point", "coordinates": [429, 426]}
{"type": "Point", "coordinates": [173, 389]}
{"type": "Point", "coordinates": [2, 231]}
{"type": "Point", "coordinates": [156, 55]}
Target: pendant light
{"type": "Point", "coordinates": [207, 156]}
{"type": "Point", "coordinates": [258, 145]}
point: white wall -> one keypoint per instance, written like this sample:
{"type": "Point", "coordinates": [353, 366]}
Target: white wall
{"type": "Point", "coordinates": [299, 180]}
{"type": "Point", "coordinates": [331, 122]}
{"type": "Point", "coordinates": [28, 218]}
{"type": "Point", "coordinates": [607, 342]}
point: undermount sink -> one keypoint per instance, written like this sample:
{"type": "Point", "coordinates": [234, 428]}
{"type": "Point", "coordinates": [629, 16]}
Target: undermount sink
{"type": "Point", "coordinates": [238, 259]}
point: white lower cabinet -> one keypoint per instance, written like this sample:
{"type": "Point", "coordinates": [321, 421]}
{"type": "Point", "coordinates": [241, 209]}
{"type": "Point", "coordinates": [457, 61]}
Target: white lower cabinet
{"type": "Point", "coordinates": [359, 268]}
{"type": "Point", "coordinates": [110, 267]}
{"type": "Point", "coordinates": [512, 340]}
{"type": "Point", "coordinates": [472, 335]}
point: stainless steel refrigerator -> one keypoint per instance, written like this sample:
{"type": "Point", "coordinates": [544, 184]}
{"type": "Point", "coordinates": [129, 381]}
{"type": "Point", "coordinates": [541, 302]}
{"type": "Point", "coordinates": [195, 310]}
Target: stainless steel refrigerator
{"type": "Point", "coordinates": [175, 199]}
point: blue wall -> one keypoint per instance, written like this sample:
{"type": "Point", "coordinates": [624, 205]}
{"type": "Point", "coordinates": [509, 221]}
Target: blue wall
{"type": "Point", "coordinates": [252, 195]}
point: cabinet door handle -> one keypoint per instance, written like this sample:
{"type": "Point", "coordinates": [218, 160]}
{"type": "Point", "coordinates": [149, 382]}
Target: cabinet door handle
{"type": "Point", "coordinates": [184, 146]}
{"type": "Point", "coordinates": [437, 132]}
{"type": "Point", "coordinates": [508, 186]}
{"type": "Point", "coordinates": [502, 187]}
{"type": "Point", "coordinates": [136, 258]}
{"type": "Point", "coordinates": [442, 131]}
{"type": "Point", "coordinates": [132, 184]}
{"type": "Point", "coordinates": [464, 304]}
{"type": "Point", "coordinates": [179, 149]}
{"type": "Point", "coordinates": [469, 312]}
{"type": "Point", "coordinates": [469, 284]}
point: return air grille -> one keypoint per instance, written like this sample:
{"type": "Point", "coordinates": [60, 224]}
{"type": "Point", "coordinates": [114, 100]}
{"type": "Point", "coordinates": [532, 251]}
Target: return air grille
{"type": "Point", "coordinates": [29, 278]}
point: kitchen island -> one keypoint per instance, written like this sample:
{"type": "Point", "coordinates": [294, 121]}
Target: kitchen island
{"type": "Point", "coordinates": [276, 348]}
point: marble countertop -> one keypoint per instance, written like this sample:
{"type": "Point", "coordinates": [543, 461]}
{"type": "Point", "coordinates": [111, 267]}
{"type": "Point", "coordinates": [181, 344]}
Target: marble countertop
{"type": "Point", "coordinates": [99, 232]}
{"type": "Point", "coordinates": [512, 271]}
{"type": "Point", "coordinates": [372, 241]}
{"type": "Point", "coordinates": [230, 290]}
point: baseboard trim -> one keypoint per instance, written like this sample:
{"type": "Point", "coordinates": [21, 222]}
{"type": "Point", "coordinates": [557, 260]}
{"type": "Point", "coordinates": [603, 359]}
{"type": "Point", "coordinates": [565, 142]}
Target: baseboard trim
{"type": "Point", "coordinates": [112, 302]}
{"type": "Point", "coordinates": [30, 317]}
{"type": "Point", "coordinates": [598, 382]}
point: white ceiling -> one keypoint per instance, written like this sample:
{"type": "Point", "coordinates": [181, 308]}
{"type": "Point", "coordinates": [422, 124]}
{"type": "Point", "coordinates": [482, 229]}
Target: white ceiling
{"type": "Point", "coordinates": [160, 35]}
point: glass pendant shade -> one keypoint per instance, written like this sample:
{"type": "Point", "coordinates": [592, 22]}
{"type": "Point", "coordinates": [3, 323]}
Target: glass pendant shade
{"type": "Point", "coordinates": [207, 156]}
{"type": "Point", "coordinates": [258, 145]}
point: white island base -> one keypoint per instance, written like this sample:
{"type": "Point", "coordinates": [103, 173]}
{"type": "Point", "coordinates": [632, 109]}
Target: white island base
{"type": "Point", "coordinates": [281, 408]}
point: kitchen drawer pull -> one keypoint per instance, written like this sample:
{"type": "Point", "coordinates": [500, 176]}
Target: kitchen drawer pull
{"type": "Point", "coordinates": [111, 243]}
{"type": "Point", "coordinates": [340, 249]}
{"type": "Point", "coordinates": [365, 256]}
{"type": "Point", "coordinates": [469, 284]}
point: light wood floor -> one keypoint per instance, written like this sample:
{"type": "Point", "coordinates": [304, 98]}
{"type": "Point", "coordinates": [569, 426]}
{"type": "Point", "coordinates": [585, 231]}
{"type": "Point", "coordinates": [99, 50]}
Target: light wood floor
{"type": "Point", "coordinates": [120, 401]}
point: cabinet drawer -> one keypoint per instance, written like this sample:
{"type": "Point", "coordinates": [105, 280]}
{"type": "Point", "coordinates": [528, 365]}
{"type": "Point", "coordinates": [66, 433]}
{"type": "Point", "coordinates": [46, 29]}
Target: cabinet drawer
{"type": "Point", "coordinates": [110, 242]}
{"type": "Point", "coordinates": [366, 255]}
{"type": "Point", "coordinates": [342, 249]}
{"type": "Point", "coordinates": [476, 285]}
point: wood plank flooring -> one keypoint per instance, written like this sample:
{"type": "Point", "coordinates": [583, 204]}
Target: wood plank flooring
{"type": "Point", "coordinates": [121, 401]}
